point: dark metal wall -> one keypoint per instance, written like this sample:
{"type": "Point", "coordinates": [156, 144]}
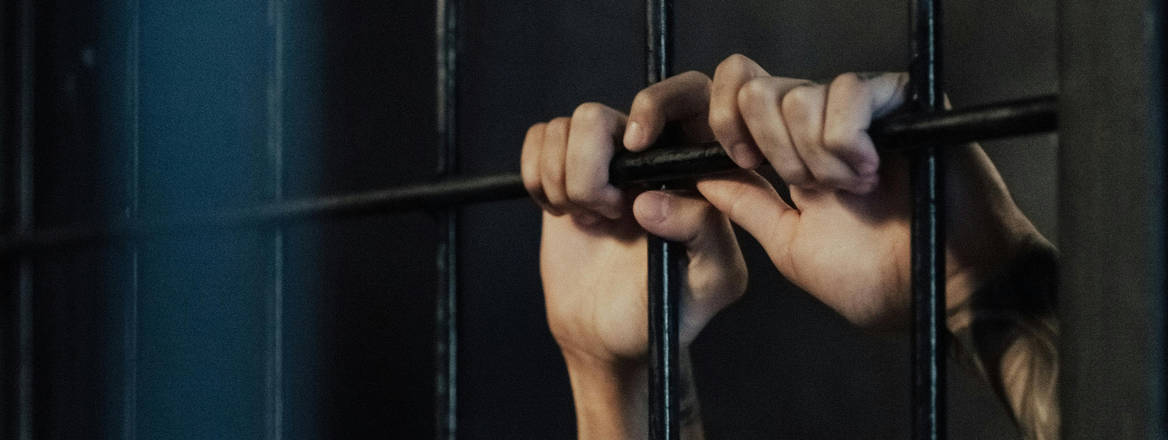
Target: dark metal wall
{"type": "Point", "coordinates": [1114, 220]}
{"type": "Point", "coordinates": [325, 329]}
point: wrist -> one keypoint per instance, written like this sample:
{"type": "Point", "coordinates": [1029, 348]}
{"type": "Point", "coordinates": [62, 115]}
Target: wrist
{"type": "Point", "coordinates": [1007, 331]}
{"type": "Point", "coordinates": [987, 234]}
{"type": "Point", "coordinates": [611, 396]}
{"type": "Point", "coordinates": [1019, 284]}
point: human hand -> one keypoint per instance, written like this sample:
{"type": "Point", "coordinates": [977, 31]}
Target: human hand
{"type": "Point", "coordinates": [593, 250]}
{"type": "Point", "coordinates": [847, 239]}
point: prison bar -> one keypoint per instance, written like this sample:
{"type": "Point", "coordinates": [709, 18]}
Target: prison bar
{"type": "Point", "coordinates": [1016, 118]}
{"type": "Point", "coordinates": [664, 264]}
{"type": "Point", "coordinates": [446, 36]}
{"type": "Point", "coordinates": [928, 232]}
{"type": "Point", "coordinates": [24, 186]}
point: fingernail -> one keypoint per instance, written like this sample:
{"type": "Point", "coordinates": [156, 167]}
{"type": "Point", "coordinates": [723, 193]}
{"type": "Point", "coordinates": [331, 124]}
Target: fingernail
{"type": "Point", "coordinates": [652, 206]}
{"type": "Point", "coordinates": [634, 136]}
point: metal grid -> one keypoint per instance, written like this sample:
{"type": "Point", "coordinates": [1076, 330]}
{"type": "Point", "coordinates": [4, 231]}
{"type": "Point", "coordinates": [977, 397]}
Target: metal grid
{"type": "Point", "coordinates": [929, 126]}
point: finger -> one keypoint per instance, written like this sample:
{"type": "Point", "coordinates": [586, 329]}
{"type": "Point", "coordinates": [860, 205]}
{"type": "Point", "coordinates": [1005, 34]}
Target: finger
{"type": "Point", "coordinates": [529, 165]}
{"type": "Point", "coordinates": [853, 101]}
{"type": "Point", "coordinates": [725, 118]}
{"type": "Point", "coordinates": [758, 101]}
{"type": "Point", "coordinates": [591, 144]}
{"type": "Point", "coordinates": [749, 201]}
{"type": "Point", "coordinates": [551, 169]}
{"type": "Point", "coordinates": [680, 97]}
{"type": "Point", "coordinates": [716, 272]}
{"type": "Point", "coordinates": [803, 113]}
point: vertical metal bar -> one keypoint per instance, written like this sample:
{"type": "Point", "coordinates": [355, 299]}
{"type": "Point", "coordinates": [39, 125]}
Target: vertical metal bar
{"type": "Point", "coordinates": [274, 380]}
{"type": "Point", "coordinates": [446, 321]}
{"type": "Point", "coordinates": [7, 289]}
{"type": "Point", "coordinates": [664, 262]}
{"type": "Point", "coordinates": [1113, 172]}
{"type": "Point", "coordinates": [130, 329]}
{"type": "Point", "coordinates": [25, 220]}
{"type": "Point", "coordinates": [928, 234]}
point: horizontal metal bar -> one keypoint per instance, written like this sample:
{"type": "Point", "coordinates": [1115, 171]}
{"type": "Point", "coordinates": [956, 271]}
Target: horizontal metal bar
{"type": "Point", "coordinates": [1014, 118]}
{"type": "Point", "coordinates": [894, 133]}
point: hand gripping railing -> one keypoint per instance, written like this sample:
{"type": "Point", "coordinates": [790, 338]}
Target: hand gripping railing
{"type": "Point", "coordinates": [658, 164]}
{"type": "Point", "coordinates": [922, 124]}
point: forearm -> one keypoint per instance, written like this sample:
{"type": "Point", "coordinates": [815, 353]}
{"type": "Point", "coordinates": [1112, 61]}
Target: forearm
{"type": "Point", "coordinates": [1007, 331]}
{"type": "Point", "coordinates": [612, 399]}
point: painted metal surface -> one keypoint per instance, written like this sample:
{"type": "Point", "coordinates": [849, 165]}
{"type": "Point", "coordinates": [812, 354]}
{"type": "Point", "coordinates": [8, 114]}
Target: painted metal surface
{"type": "Point", "coordinates": [665, 258]}
{"type": "Point", "coordinates": [928, 232]}
{"type": "Point", "coordinates": [446, 313]}
{"type": "Point", "coordinates": [1112, 220]}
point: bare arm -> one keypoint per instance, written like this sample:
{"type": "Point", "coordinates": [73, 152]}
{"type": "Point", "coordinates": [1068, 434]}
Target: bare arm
{"type": "Point", "coordinates": [612, 403]}
{"type": "Point", "coordinates": [1007, 331]}
{"type": "Point", "coordinates": [593, 247]}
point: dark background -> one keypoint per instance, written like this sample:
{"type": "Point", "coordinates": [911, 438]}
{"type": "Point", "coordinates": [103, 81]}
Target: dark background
{"type": "Point", "coordinates": [162, 108]}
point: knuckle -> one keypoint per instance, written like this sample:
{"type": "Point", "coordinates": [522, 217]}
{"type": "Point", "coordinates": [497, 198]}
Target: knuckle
{"type": "Point", "coordinates": [695, 75]}
{"type": "Point", "coordinates": [798, 102]}
{"type": "Point", "coordinates": [558, 125]}
{"type": "Point", "coordinates": [757, 93]}
{"type": "Point", "coordinates": [735, 63]}
{"type": "Point", "coordinates": [589, 113]}
{"type": "Point", "coordinates": [647, 101]}
{"type": "Point", "coordinates": [722, 120]}
{"type": "Point", "coordinates": [847, 82]}
{"type": "Point", "coordinates": [536, 129]}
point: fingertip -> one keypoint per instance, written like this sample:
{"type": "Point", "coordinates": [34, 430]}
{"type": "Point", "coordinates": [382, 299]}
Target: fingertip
{"type": "Point", "coordinates": [651, 207]}
{"type": "Point", "coordinates": [610, 203]}
{"type": "Point", "coordinates": [672, 216]}
{"type": "Point", "coordinates": [865, 168]}
{"type": "Point", "coordinates": [636, 136]}
{"type": "Point", "coordinates": [865, 186]}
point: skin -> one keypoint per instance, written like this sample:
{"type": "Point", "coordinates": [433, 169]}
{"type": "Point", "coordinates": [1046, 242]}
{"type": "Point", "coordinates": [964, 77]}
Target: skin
{"type": "Point", "coordinates": [845, 240]}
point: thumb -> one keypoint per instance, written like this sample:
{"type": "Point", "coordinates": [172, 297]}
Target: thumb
{"type": "Point", "coordinates": [716, 273]}
{"type": "Point", "coordinates": [685, 219]}
{"type": "Point", "coordinates": [751, 202]}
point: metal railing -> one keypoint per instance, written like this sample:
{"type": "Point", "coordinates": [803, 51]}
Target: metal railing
{"type": "Point", "coordinates": [928, 129]}
{"type": "Point", "coordinates": [657, 165]}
